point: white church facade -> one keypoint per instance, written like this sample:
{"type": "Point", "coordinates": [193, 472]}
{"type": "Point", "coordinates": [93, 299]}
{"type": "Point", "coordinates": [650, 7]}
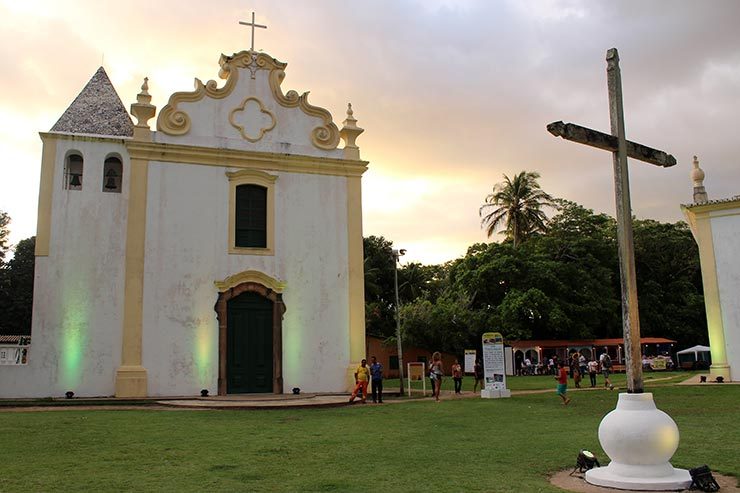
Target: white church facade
{"type": "Point", "coordinates": [221, 251]}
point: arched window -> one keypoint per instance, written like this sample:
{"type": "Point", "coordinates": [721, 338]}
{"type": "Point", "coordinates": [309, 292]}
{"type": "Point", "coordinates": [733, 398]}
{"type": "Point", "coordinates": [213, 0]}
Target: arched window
{"type": "Point", "coordinates": [251, 212]}
{"type": "Point", "coordinates": [73, 172]}
{"type": "Point", "coordinates": [251, 217]}
{"type": "Point", "coordinates": [112, 175]}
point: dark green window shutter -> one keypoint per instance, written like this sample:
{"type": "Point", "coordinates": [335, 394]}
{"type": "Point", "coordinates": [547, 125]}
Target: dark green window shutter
{"type": "Point", "coordinates": [251, 216]}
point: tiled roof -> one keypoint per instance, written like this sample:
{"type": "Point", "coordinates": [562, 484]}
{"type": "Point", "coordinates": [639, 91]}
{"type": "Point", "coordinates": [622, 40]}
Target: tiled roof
{"type": "Point", "coordinates": [97, 110]}
{"type": "Point", "coordinates": [5, 339]}
{"type": "Point", "coordinates": [710, 202]}
{"type": "Point", "coordinates": [586, 342]}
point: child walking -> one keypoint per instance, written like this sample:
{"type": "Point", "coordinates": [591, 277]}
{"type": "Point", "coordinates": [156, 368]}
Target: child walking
{"type": "Point", "coordinates": [562, 378]}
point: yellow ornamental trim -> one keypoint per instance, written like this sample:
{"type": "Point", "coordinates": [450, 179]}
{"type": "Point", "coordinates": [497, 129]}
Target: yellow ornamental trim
{"type": "Point", "coordinates": [252, 176]}
{"type": "Point", "coordinates": [325, 136]}
{"type": "Point", "coordinates": [242, 109]}
{"type": "Point", "coordinates": [250, 276]}
{"type": "Point", "coordinates": [173, 121]}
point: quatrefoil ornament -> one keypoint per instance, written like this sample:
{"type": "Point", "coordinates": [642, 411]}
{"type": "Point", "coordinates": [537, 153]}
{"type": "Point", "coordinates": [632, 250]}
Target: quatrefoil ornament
{"type": "Point", "coordinates": [252, 119]}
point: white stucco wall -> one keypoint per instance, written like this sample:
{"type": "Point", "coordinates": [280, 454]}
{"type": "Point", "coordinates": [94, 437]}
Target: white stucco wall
{"type": "Point", "coordinates": [726, 239]}
{"type": "Point", "coordinates": [78, 289]}
{"type": "Point", "coordinates": [187, 251]}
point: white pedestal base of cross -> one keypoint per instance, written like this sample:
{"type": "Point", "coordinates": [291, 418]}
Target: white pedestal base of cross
{"type": "Point", "coordinates": [495, 393]}
{"type": "Point", "coordinates": [640, 439]}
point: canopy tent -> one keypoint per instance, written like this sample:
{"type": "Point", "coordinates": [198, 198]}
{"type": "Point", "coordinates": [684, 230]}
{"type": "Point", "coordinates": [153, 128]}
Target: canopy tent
{"type": "Point", "coordinates": [700, 353]}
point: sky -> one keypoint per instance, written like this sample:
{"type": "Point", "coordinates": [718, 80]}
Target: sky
{"type": "Point", "coordinates": [452, 94]}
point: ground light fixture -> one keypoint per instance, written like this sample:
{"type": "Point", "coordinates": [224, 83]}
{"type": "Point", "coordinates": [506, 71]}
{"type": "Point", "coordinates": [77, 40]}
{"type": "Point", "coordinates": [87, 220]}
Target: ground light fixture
{"type": "Point", "coordinates": [702, 479]}
{"type": "Point", "coordinates": [204, 393]}
{"type": "Point", "coordinates": [296, 390]}
{"type": "Point", "coordinates": [69, 394]}
{"type": "Point", "coordinates": [585, 461]}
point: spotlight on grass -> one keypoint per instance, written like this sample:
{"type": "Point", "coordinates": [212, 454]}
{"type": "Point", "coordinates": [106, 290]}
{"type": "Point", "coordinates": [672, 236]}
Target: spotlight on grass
{"type": "Point", "coordinates": [720, 379]}
{"type": "Point", "coordinates": [585, 461]}
{"type": "Point", "coordinates": [703, 379]}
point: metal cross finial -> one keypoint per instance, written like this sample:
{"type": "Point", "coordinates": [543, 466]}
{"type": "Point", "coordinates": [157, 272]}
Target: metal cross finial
{"type": "Point", "coordinates": [253, 26]}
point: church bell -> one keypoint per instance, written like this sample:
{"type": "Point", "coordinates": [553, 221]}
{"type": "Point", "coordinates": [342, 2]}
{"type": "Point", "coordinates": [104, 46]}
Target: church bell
{"type": "Point", "coordinates": [110, 180]}
{"type": "Point", "coordinates": [75, 181]}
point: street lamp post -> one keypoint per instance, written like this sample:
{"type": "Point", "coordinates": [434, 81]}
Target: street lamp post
{"type": "Point", "coordinates": [396, 254]}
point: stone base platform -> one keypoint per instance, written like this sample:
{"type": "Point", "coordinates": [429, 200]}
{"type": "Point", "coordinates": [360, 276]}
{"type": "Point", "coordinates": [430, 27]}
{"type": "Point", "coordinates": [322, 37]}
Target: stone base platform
{"type": "Point", "coordinates": [577, 483]}
{"type": "Point", "coordinates": [259, 401]}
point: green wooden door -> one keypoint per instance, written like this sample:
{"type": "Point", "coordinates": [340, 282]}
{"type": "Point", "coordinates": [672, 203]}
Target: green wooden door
{"type": "Point", "coordinates": [249, 344]}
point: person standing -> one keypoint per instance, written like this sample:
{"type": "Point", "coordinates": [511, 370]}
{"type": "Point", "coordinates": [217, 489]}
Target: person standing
{"type": "Point", "coordinates": [582, 364]}
{"type": "Point", "coordinates": [573, 363]}
{"type": "Point", "coordinates": [362, 377]}
{"type": "Point", "coordinates": [593, 369]}
{"type": "Point", "coordinates": [562, 378]}
{"type": "Point", "coordinates": [457, 376]}
{"type": "Point", "coordinates": [478, 375]}
{"type": "Point", "coordinates": [437, 371]}
{"type": "Point", "coordinates": [376, 372]}
{"type": "Point", "coordinates": [577, 377]}
{"type": "Point", "coordinates": [606, 370]}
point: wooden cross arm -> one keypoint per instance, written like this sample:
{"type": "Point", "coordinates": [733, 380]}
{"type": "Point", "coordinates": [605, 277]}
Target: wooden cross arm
{"type": "Point", "coordinates": [600, 140]}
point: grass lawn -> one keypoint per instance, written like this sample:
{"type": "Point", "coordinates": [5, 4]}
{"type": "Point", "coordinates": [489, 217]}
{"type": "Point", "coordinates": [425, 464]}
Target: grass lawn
{"type": "Point", "coordinates": [538, 382]}
{"type": "Point", "coordinates": [456, 445]}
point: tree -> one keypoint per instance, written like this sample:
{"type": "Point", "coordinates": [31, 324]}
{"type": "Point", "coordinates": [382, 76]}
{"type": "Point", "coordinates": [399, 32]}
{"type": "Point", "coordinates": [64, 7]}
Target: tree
{"type": "Point", "coordinates": [379, 290]}
{"type": "Point", "coordinates": [517, 205]}
{"type": "Point", "coordinates": [4, 232]}
{"type": "Point", "coordinates": [18, 276]}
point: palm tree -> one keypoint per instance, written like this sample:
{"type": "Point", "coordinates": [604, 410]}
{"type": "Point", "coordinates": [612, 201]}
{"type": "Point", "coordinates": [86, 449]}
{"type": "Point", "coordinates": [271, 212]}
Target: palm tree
{"type": "Point", "coordinates": [517, 205]}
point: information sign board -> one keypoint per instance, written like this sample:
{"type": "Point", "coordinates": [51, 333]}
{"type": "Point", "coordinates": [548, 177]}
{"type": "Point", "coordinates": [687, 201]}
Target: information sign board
{"type": "Point", "coordinates": [470, 355]}
{"type": "Point", "coordinates": [494, 368]}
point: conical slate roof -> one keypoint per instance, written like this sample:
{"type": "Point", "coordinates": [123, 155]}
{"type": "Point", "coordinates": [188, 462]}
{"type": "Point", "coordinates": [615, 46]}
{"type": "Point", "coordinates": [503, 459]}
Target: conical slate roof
{"type": "Point", "coordinates": [96, 110]}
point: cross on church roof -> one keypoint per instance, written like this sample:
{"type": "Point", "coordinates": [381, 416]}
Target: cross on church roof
{"type": "Point", "coordinates": [253, 26]}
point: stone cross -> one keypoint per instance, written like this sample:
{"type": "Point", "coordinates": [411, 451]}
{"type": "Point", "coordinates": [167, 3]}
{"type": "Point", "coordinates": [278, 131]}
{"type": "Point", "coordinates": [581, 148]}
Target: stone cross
{"type": "Point", "coordinates": [253, 26]}
{"type": "Point", "coordinates": [621, 148]}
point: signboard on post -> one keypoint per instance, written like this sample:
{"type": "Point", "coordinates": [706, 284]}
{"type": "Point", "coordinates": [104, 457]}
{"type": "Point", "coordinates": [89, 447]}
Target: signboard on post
{"type": "Point", "coordinates": [494, 368]}
{"type": "Point", "coordinates": [470, 355]}
{"type": "Point", "coordinates": [416, 373]}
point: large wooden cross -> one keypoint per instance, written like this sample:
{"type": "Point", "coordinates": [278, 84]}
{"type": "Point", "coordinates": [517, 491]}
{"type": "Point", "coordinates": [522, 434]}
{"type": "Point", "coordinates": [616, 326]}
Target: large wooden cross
{"type": "Point", "coordinates": [253, 26]}
{"type": "Point", "coordinates": [621, 148]}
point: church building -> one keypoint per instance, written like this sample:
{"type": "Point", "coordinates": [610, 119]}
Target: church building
{"type": "Point", "coordinates": [221, 251]}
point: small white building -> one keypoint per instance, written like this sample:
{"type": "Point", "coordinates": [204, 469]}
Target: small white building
{"type": "Point", "coordinates": [222, 251]}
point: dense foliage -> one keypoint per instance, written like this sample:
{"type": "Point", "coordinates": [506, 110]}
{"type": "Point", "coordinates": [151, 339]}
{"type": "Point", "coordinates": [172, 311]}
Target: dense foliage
{"type": "Point", "coordinates": [559, 284]}
{"type": "Point", "coordinates": [16, 283]}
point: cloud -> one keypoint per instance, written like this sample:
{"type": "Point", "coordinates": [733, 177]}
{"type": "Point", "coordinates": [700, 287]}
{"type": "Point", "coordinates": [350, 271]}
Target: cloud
{"type": "Point", "coordinates": [452, 94]}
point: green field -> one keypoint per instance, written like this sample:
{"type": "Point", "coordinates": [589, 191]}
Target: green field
{"type": "Point", "coordinates": [538, 382]}
{"type": "Point", "coordinates": [455, 445]}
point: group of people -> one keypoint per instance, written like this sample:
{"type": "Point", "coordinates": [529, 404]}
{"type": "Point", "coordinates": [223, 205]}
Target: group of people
{"type": "Point", "coordinates": [578, 366]}
{"type": "Point", "coordinates": [365, 375]}
{"type": "Point", "coordinates": [372, 376]}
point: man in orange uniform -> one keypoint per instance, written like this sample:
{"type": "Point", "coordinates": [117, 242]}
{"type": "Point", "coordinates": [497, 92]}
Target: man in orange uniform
{"type": "Point", "coordinates": [362, 377]}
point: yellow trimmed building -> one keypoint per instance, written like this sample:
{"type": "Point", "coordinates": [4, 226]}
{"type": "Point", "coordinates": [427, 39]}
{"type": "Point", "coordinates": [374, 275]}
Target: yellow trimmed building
{"type": "Point", "coordinates": [715, 225]}
{"type": "Point", "coordinates": [221, 251]}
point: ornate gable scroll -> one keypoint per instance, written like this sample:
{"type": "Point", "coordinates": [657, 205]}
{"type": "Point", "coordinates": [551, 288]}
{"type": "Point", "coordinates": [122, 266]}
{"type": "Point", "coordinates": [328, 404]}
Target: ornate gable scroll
{"type": "Point", "coordinates": [176, 120]}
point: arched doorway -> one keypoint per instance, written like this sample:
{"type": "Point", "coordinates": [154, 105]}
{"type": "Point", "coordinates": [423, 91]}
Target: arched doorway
{"type": "Point", "coordinates": [249, 344]}
{"type": "Point", "coordinates": [250, 339]}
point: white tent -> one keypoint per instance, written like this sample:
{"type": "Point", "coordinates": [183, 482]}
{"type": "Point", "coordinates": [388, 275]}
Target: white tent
{"type": "Point", "coordinates": [695, 351]}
